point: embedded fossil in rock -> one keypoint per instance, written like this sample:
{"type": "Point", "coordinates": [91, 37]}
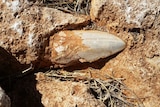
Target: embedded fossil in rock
{"type": "Point", "coordinates": [84, 46]}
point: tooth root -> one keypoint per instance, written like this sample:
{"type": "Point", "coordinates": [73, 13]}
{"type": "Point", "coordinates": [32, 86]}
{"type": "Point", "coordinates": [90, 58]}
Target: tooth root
{"type": "Point", "coordinates": [85, 46]}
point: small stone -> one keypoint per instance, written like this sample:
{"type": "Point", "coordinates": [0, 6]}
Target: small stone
{"type": "Point", "coordinates": [4, 99]}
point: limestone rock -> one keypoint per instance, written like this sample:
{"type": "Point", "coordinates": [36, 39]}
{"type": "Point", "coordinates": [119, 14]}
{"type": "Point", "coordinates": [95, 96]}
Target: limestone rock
{"type": "Point", "coordinates": [96, 7]}
{"type": "Point", "coordinates": [57, 93]}
{"type": "Point", "coordinates": [25, 28]}
{"type": "Point", "coordinates": [25, 31]}
{"type": "Point", "coordinates": [125, 13]}
{"type": "Point", "coordinates": [4, 99]}
{"type": "Point", "coordinates": [137, 22]}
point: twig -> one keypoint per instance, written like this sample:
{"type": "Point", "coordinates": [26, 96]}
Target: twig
{"type": "Point", "coordinates": [19, 74]}
{"type": "Point", "coordinates": [28, 69]}
{"type": "Point", "coordinates": [107, 92]}
{"type": "Point", "coordinates": [61, 76]}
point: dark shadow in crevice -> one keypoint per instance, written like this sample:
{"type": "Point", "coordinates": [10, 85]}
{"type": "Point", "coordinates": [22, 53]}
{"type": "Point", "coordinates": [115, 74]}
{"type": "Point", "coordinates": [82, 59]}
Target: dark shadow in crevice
{"type": "Point", "coordinates": [96, 65]}
{"type": "Point", "coordinates": [135, 30]}
{"type": "Point", "coordinates": [9, 68]}
{"type": "Point", "coordinates": [24, 92]}
{"type": "Point", "coordinates": [21, 89]}
{"type": "Point", "coordinates": [8, 63]}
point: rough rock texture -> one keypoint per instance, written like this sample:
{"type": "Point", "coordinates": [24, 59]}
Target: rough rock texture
{"type": "Point", "coordinates": [125, 13]}
{"type": "Point", "coordinates": [25, 30]}
{"type": "Point", "coordinates": [138, 23]}
{"type": "Point", "coordinates": [56, 93]}
{"type": "Point", "coordinates": [4, 99]}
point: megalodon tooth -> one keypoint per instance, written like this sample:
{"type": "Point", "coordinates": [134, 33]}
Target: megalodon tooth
{"type": "Point", "coordinates": [83, 45]}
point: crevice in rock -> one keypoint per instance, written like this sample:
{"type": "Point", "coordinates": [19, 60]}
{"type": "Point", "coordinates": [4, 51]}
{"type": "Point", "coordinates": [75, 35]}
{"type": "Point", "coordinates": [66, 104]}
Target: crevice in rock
{"type": "Point", "coordinates": [134, 30]}
{"type": "Point", "coordinates": [23, 92]}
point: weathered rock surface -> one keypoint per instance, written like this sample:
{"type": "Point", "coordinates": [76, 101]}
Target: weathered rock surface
{"type": "Point", "coordinates": [25, 28]}
{"type": "Point", "coordinates": [125, 13]}
{"type": "Point", "coordinates": [4, 99]}
{"type": "Point", "coordinates": [138, 23]}
{"type": "Point", "coordinates": [56, 93]}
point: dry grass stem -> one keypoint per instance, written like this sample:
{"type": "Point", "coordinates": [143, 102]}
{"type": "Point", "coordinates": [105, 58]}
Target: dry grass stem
{"type": "Point", "coordinates": [19, 74]}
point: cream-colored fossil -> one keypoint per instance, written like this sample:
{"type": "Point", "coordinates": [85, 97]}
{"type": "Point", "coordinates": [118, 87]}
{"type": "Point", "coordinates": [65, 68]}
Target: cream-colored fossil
{"type": "Point", "coordinates": [83, 45]}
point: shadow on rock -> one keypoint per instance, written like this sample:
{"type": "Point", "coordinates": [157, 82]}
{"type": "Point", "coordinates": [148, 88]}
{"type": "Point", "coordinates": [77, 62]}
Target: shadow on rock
{"type": "Point", "coordinates": [24, 92]}
{"type": "Point", "coordinates": [10, 67]}
{"type": "Point", "coordinates": [8, 64]}
{"type": "Point", "coordinates": [21, 89]}
{"type": "Point", "coordinates": [96, 65]}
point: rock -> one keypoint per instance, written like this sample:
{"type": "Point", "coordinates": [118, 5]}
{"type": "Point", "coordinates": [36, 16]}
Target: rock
{"type": "Point", "coordinates": [26, 28]}
{"type": "Point", "coordinates": [84, 46]}
{"type": "Point", "coordinates": [125, 13]}
{"type": "Point", "coordinates": [96, 7]}
{"type": "Point", "coordinates": [57, 93]}
{"type": "Point", "coordinates": [138, 24]}
{"type": "Point", "coordinates": [4, 99]}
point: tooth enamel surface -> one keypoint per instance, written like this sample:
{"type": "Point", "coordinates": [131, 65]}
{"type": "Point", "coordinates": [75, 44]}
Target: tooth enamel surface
{"type": "Point", "coordinates": [85, 46]}
{"type": "Point", "coordinates": [101, 44]}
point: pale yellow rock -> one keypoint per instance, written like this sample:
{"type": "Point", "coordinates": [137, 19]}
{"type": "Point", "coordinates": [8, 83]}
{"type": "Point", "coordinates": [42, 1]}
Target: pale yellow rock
{"type": "Point", "coordinates": [95, 8]}
{"type": "Point", "coordinates": [134, 12]}
{"type": "Point", "coordinates": [57, 93]}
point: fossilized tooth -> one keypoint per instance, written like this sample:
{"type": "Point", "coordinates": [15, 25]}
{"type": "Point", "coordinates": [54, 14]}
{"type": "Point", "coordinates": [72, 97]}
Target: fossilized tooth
{"type": "Point", "coordinates": [84, 46]}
